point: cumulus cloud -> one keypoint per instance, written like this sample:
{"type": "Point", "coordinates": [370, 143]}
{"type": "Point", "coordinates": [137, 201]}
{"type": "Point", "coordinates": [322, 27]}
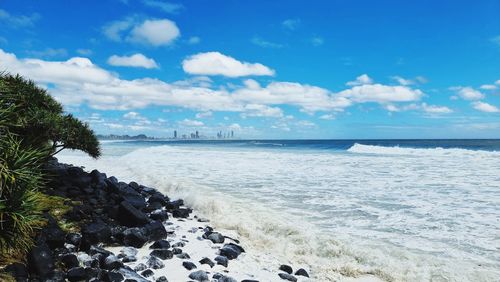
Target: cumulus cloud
{"type": "Point", "coordinates": [49, 53]}
{"type": "Point", "coordinates": [215, 63]}
{"type": "Point", "coordinates": [488, 87]}
{"type": "Point", "coordinates": [327, 117]}
{"type": "Point", "coordinates": [204, 114]}
{"type": "Point", "coordinates": [434, 109]}
{"type": "Point", "coordinates": [154, 32]}
{"type": "Point", "coordinates": [291, 24]}
{"type": "Point", "coordinates": [485, 107]}
{"type": "Point", "coordinates": [380, 93]}
{"type": "Point", "coordinates": [190, 123]}
{"type": "Point", "coordinates": [317, 41]}
{"type": "Point", "coordinates": [84, 52]}
{"type": "Point", "coordinates": [264, 43]}
{"type": "Point", "coordinates": [18, 21]}
{"type": "Point", "coordinates": [406, 82]}
{"type": "Point", "coordinates": [468, 93]}
{"type": "Point", "coordinates": [360, 80]}
{"type": "Point", "coordinates": [256, 110]}
{"type": "Point", "coordinates": [135, 60]}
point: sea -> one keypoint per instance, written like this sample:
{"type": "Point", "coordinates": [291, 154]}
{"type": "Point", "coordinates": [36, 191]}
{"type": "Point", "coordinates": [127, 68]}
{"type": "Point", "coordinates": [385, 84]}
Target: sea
{"type": "Point", "coordinates": [400, 210]}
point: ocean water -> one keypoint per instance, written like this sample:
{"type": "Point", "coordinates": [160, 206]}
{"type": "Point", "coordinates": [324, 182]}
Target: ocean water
{"type": "Point", "coordinates": [402, 210]}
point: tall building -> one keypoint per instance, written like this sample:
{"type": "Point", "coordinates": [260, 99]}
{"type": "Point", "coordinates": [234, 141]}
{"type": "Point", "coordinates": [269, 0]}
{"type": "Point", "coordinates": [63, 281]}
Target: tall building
{"type": "Point", "coordinates": [197, 135]}
{"type": "Point", "coordinates": [232, 134]}
{"type": "Point", "coordinates": [175, 134]}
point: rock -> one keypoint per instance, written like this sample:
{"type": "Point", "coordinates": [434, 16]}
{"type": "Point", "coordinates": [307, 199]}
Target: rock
{"type": "Point", "coordinates": [129, 259]}
{"type": "Point", "coordinates": [148, 272]}
{"type": "Point", "coordinates": [176, 251]}
{"type": "Point", "coordinates": [128, 215]}
{"type": "Point", "coordinates": [302, 272]}
{"type": "Point", "coordinates": [76, 274]}
{"type": "Point", "coordinates": [137, 201]}
{"type": "Point", "coordinates": [249, 280]}
{"type": "Point", "coordinates": [181, 212]}
{"type": "Point", "coordinates": [96, 232]}
{"type": "Point", "coordinates": [93, 273]}
{"type": "Point", "coordinates": [134, 237]}
{"type": "Point", "coordinates": [128, 252]}
{"type": "Point", "coordinates": [207, 261]}
{"type": "Point", "coordinates": [221, 260]}
{"type": "Point", "coordinates": [70, 247]}
{"type": "Point", "coordinates": [286, 268]}
{"type": "Point", "coordinates": [231, 251]}
{"type": "Point", "coordinates": [112, 276]}
{"type": "Point", "coordinates": [199, 275]}
{"type": "Point", "coordinates": [161, 244]}
{"type": "Point", "coordinates": [56, 276]}
{"type": "Point", "coordinates": [162, 279]}
{"type": "Point", "coordinates": [216, 237]}
{"type": "Point", "coordinates": [162, 253]}
{"type": "Point", "coordinates": [288, 277]}
{"type": "Point", "coordinates": [226, 279]}
{"type": "Point", "coordinates": [178, 245]}
{"type": "Point", "coordinates": [70, 261]}
{"type": "Point", "coordinates": [18, 270]}
{"type": "Point", "coordinates": [41, 261]}
{"type": "Point", "coordinates": [112, 262]}
{"type": "Point", "coordinates": [188, 265]}
{"type": "Point", "coordinates": [131, 275]}
{"type": "Point", "coordinates": [174, 205]}
{"type": "Point", "coordinates": [183, 256]}
{"type": "Point", "coordinates": [159, 215]}
{"type": "Point", "coordinates": [54, 236]}
{"type": "Point", "coordinates": [154, 263]}
{"type": "Point", "coordinates": [156, 231]}
{"type": "Point", "coordinates": [98, 250]}
{"type": "Point", "coordinates": [84, 259]}
{"type": "Point", "coordinates": [158, 198]}
{"type": "Point", "coordinates": [140, 267]}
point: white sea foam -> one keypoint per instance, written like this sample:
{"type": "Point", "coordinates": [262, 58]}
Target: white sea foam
{"type": "Point", "coordinates": [405, 214]}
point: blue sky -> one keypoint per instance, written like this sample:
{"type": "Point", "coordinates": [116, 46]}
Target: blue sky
{"type": "Point", "coordinates": [264, 69]}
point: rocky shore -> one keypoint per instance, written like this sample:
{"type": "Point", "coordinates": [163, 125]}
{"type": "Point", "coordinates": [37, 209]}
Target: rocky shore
{"type": "Point", "coordinates": [130, 232]}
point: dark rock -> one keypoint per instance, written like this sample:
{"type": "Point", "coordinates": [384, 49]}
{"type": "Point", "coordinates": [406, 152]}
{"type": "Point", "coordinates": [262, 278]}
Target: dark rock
{"type": "Point", "coordinates": [226, 279]}
{"type": "Point", "coordinates": [112, 276]}
{"type": "Point", "coordinates": [154, 263]}
{"type": "Point", "coordinates": [222, 260]}
{"type": "Point", "coordinates": [112, 262]}
{"type": "Point", "coordinates": [134, 237]}
{"type": "Point", "coordinates": [56, 276]}
{"type": "Point", "coordinates": [207, 261]}
{"type": "Point", "coordinates": [128, 252]}
{"type": "Point", "coordinates": [98, 250]}
{"type": "Point", "coordinates": [176, 251]}
{"type": "Point", "coordinates": [41, 261]}
{"type": "Point", "coordinates": [153, 206]}
{"type": "Point", "coordinates": [183, 256]}
{"type": "Point", "coordinates": [159, 215]}
{"type": "Point", "coordinates": [162, 279]}
{"type": "Point", "coordinates": [249, 280]}
{"type": "Point", "coordinates": [162, 253]}
{"type": "Point", "coordinates": [84, 259]}
{"type": "Point", "coordinates": [129, 259]}
{"type": "Point", "coordinates": [128, 215]}
{"type": "Point", "coordinates": [188, 265]}
{"type": "Point", "coordinates": [131, 275]}
{"type": "Point", "coordinates": [18, 270]}
{"type": "Point", "coordinates": [286, 268]}
{"type": "Point", "coordinates": [181, 212]}
{"type": "Point", "coordinates": [158, 198]}
{"type": "Point", "coordinates": [76, 274]}
{"type": "Point", "coordinates": [172, 205]}
{"type": "Point", "coordinates": [70, 261]}
{"type": "Point", "coordinates": [155, 231]}
{"type": "Point", "coordinates": [148, 272]}
{"type": "Point", "coordinates": [54, 236]}
{"type": "Point", "coordinates": [140, 267]}
{"type": "Point", "coordinates": [178, 245]}
{"type": "Point", "coordinates": [74, 239]}
{"type": "Point", "coordinates": [161, 244]}
{"type": "Point", "coordinates": [137, 201]}
{"type": "Point", "coordinates": [216, 237]}
{"type": "Point", "coordinates": [96, 232]}
{"type": "Point", "coordinates": [231, 251]}
{"type": "Point", "coordinates": [302, 272]}
{"type": "Point", "coordinates": [91, 272]}
{"type": "Point", "coordinates": [288, 277]}
{"type": "Point", "coordinates": [199, 275]}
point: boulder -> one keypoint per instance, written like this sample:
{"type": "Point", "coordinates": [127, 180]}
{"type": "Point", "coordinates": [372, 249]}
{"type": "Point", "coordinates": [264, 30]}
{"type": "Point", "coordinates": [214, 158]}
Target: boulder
{"type": "Point", "coordinates": [128, 252]}
{"type": "Point", "coordinates": [302, 272]}
{"type": "Point", "coordinates": [76, 274]}
{"type": "Point", "coordinates": [288, 277]}
{"type": "Point", "coordinates": [159, 215]}
{"type": "Point", "coordinates": [112, 262]}
{"type": "Point", "coordinates": [181, 213]}
{"type": "Point", "coordinates": [140, 267]}
{"type": "Point", "coordinates": [96, 232]}
{"type": "Point", "coordinates": [112, 276]}
{"type": "Point", "coordinates": [134, 237]}
{"type": "Point", "coordinates": [41, 261]}
{"type": "Point", "coordinates": [74, 239]}
{"type": "Point", "coordinates": [222, 260]}
{"type": "Point", "coordinates": [162, 254]}
{"type": "Point", "coordinates": [174, 205]}
{"type": "Point", "coordinates": [216, 238]}
{"type": "Point", "coordinates": [155, 231]}
{"type": "Point", "coordinates": [286, 268]}
{"type": "Point", "coordinates": [70, 261]}
{"type": "Point", "coordinates": [199, 275]}
{"type": "Point", "coordinates": [161, 244]}
{"type": "Point", "coordinates": [162, 279]}
{"type": "Point", "coordinates": [154, 263]}
{"type": "Point", "coordinates": [188, 265]}
{"type": "Point", "coordinates": [137, 201]}
{"type": "Point", "coordinates": [18, 270]}
{"type": "Point", "coordinates": [147, 273]}
{"type": "Point", "coordinates": [129, 216]}
{"type": "Point", "coordinates": [231, 251]}
{"type": "Point", "coordinates": [207, 261]}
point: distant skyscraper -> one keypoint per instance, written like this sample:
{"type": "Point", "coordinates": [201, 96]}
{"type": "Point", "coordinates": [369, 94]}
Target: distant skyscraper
{"type": "Point", "coordinates": [175, 134]}
{"type": "Point", "coordinates": [232, 134]}
{"type": "Point", "coordinates": [197, 134]}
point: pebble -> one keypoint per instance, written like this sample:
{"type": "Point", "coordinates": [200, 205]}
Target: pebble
{"type": "Point", "coordinates": [199, 275]}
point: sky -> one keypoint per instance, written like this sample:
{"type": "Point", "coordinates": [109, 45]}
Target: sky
{"type": "Point", "coordinates": [264, 69]}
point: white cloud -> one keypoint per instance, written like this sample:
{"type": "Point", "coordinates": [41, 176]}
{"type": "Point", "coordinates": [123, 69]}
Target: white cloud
{"type": "Point", "coordinates": [215, 63]}
{"type": "Point", "coordinates": [468, 93]}
{"type": "Point", "coordinates": [485, 107]}
{"type": "Point", "coordinates": [360, 80]}
{"type": "Point", "coordinates": [235, 126]}
{"type": "Point", "coordinates": [155, 32]}
{"type": "Point", "coordinates": [136, 60]}
{"type": "Point", "coordinates": [264, 43]}
{"type": "Point", "coordinates": [291, 24]}
{"type": "Point", "coordinates": [305, 123]}
{"type": "Point", "coordinates": [131, 115]}
{"type": "Point", "coordinates": [406, 82]}
{"type": "Point", "coordinates": [84, 52]}
{"type": "Point", "coordinates": [433, 109]}
{"type": "Point", "coordinates": [256, 110]}
{"type": "Point", "coordinates": [379, 93]}
{"type": "Point", "coordinates": [327, 117]}
{"type": "Point", "coordinates": [20, 21]}
{"type": "Point", "coordinates": [204, 115]}
{"type": "Point", "coordinates": [190, 123]}
{"type": "Point", "coordinates": [488, 87]}
{"type": "Point", "coordinates": [317, 41]}
{"type": "Point", "coordinates": [49, 53]}
{"type": "Point", "coordinates": [167, 7]}
{"type": "Point", "coordinates": [193, 40]}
